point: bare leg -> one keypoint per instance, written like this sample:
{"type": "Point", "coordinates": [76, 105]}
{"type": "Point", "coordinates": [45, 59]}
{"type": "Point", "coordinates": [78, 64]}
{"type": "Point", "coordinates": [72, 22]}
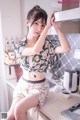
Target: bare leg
{"type": "Point", "coordinates": [11, 111]}
{"type": "Point", "coordinates": [20, 110]}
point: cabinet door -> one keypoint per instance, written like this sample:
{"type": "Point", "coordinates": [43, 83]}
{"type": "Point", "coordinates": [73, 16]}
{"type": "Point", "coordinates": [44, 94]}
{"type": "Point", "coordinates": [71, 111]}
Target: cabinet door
{"type": "Point", "coordinates": [71, 4]}
{"type": "Point", "coordinates": [10, 94]}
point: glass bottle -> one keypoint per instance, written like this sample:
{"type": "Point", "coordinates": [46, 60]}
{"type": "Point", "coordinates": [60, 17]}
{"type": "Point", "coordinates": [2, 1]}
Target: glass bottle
{"type": "Point", "coordinates": [12, 52]}
{"type": "Point", "coordinates": [12, 45]}
{"type": "Point", "coordinates": [7, 47]}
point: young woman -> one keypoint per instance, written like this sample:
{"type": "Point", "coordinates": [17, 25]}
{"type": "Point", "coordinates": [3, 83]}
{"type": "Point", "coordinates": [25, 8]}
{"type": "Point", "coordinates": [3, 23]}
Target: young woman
{"type": "Point", "coordinates": [34, 53]}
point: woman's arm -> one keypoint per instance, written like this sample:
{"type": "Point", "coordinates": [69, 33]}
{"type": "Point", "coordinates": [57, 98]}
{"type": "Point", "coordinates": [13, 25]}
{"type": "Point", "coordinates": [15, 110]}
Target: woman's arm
{"type": "Point", "coordinates": [64, 45]}
{"type": "Point", "coordinates": [40, 42]}
{"type": "Point", "coordinates": [38, 45]}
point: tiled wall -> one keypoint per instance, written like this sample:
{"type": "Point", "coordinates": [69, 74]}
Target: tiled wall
{"type": "Point", "coordinates": [66, 60]}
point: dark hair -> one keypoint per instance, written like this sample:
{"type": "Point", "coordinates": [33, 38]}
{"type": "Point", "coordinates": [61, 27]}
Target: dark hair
{"type": "Point", "coordinates": [37, 13]}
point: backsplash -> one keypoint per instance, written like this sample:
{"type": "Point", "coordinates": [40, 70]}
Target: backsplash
{"type": "Point", "coordinates": [66, 60]}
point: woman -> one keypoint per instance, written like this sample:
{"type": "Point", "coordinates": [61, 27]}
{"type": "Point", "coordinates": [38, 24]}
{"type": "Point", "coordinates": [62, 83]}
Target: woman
{"type": "Point", "coordinates": [34, 52]}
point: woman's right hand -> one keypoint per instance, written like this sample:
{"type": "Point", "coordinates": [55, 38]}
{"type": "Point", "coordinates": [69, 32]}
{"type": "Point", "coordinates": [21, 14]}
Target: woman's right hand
{"type": "Point", "coordinates": [51, 20]}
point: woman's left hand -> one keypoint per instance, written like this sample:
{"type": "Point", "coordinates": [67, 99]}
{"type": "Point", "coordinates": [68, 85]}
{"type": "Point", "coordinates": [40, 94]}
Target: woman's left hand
{"type": "Point", "coordinates": [53, 23]}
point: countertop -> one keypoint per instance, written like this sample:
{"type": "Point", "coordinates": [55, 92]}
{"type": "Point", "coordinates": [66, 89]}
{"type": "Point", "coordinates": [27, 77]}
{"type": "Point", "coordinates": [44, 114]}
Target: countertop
{"type": "Point", "coordinates": [12, 83]}
{"type": "Point", "coordinates": [57, 102]}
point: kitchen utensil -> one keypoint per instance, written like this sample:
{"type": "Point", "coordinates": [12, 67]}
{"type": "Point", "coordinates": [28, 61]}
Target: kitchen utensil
{"type": "Point", "coordinates": [70, 81]}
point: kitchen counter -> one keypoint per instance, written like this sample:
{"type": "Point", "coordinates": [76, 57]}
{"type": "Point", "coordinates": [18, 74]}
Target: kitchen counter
{"type": "Point", "coordinates": [12, 83]}
{"type": "Point", "coordinates": [57, 102]}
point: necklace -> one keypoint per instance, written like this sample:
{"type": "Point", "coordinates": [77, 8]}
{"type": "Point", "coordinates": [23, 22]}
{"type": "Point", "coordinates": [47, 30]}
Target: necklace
{"type": "Point", "coordinates": [33, 75]}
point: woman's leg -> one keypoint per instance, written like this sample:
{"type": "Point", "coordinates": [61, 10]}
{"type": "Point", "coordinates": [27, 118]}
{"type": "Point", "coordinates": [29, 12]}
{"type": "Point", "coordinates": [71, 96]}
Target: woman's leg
{"type": "Point", "coordinates": [20, 110]}
{"type": "Point", "coordinates": [10, 115]}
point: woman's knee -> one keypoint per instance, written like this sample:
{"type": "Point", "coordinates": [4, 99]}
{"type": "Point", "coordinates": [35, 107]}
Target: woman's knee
{"type": "Point", "coordinates": [10, 116]}
{"type": "Point", "coordinates": [19, 109]}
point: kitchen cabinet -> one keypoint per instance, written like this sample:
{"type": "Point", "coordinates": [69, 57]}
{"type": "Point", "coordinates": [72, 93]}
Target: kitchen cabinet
{"type": "Point", "coordinates": [11, 86]}
{"type": "Point", "coordinates": [71, 26]}
{"type": "Point", "coordinates": [66, 26]}
{"type": "Point", "coordinates": [70, 20]}
{"type": "Point", "coordinates": [71, 4]}
{"type": "Point", "coordinates": [10, 92]}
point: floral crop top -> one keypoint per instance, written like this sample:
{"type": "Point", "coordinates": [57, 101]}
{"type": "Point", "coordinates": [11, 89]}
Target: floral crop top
{"type": "Point", "coordinates": [38, 62]}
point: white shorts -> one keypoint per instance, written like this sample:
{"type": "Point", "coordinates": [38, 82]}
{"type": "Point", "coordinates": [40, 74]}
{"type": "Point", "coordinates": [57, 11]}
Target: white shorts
{"type": "Point", "coordinates": [39, 90]}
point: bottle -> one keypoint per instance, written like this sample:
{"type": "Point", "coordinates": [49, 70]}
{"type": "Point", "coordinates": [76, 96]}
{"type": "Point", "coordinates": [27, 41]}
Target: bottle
{"type": "Point", "coordinates": [16, 40]}
{"type": "Point", "coordinates": [17, 43]}
{"type": "Point", "coordinates": [7, 47]}
{"type": "Point", "coordinates": [11, 53]}
{"type": "Point", "coordinates": [12, 45]}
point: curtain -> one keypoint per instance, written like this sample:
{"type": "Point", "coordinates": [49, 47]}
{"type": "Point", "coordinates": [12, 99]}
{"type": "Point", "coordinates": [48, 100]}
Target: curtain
{"type": "Point", "coordinates": [3, 85]}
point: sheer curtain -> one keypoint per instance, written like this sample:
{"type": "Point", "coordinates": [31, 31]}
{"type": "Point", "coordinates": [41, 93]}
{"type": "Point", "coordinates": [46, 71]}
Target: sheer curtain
{"type": "Point", "coordinates": [3, 85]}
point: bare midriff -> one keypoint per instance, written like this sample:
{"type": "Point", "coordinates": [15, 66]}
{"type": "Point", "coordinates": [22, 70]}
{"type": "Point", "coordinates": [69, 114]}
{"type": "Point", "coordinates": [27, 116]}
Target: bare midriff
{"type": "Point", "coordinates": [34, 76]}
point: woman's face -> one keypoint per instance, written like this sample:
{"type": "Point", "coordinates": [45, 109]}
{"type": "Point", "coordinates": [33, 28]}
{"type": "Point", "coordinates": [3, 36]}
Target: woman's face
{"type": "Point", "coordinates": [36, 28]}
